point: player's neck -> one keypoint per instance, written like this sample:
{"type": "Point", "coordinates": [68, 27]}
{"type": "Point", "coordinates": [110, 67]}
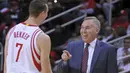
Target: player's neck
{"type": "Point", "coordinates": [33, 21]}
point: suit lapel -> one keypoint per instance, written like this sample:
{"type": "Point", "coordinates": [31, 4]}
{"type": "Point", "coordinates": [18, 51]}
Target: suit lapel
{"type": "Point", "coordinates": [95, 55]}
{"type": "Point", "coordinates": [81, 46]}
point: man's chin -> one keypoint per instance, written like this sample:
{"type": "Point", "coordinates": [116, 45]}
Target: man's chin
{"type": "Point", "coordinates": [84, 39]}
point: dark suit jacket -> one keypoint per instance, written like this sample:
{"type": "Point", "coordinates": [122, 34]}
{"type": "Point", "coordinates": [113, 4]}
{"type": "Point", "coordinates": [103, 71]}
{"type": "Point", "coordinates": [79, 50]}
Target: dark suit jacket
{"type": "Point", "coordinates": [103, 61]}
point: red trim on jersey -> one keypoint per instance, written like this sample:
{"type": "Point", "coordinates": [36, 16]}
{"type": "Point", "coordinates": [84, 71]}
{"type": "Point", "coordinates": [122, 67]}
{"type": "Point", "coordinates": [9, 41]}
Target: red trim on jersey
{"type": "Point", "coordinates": [10, 32]}
{"type": "Point", "coordinates": [37, 65]}
{"type": "Point", "coordinates": [36, 52]}
{"type": "Point", "coordinates": [29, 24]}
{"type": "Point", "coordinates": [38, 56]}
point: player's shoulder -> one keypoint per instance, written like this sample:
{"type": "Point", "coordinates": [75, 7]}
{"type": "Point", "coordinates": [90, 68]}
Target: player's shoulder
{"type": "Point", "coordinates": [43, 36]}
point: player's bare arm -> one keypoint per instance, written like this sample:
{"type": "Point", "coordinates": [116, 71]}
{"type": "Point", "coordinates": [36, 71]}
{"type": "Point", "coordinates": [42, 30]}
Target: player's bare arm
{"type": "Point", "coordinates": [44, 45]}
{"type": "Point", "coordinates": [5, 54]}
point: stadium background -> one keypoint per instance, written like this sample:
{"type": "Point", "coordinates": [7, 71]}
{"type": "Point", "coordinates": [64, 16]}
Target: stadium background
{"type": "Point", "coordinates": [115, 21]}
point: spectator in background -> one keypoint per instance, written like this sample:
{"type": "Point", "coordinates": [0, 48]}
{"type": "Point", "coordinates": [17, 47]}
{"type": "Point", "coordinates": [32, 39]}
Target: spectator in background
{"type": "Point", "coordinates": [128, 30]}
{"type": "Point", "coordinates": [124, 64]}
{"type": "Point", "coordinates": [73, 37]}
{"type": "Point", "coordinates": [108, 34]}
{"type": "Point", "coordinates": [89, 7]}
{"type": "Point", "coordinates": [107, 6]}
{"type": "Point", "coordinates": [58, 34]}
{"type": "Point", "coordinates": [120, 31]}
{"type": "Point", "coordinates": [9, 17]}
{"type": "Point", "coordinates": [14, 11]}
{"type": "Point", "coordinates": [103, 22]}
{"type": "Point", "coordinates": [122, 20]}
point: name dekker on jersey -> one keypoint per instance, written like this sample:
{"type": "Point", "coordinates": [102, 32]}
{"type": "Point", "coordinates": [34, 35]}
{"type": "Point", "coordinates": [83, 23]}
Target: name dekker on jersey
{"type": "Point", "coordinates": [20, 34]}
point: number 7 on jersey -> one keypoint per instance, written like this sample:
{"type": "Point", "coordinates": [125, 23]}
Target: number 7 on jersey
{"type": "Point", "coordinates": [19, 50]}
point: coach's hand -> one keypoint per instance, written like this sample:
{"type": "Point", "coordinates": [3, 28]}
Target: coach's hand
{"type": "Point", "coordinates": [66, 55]}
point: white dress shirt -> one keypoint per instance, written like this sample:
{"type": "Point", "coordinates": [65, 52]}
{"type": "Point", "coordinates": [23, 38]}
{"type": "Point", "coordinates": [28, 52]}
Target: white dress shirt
{"type": "Point", "coordinates": [91, 51]}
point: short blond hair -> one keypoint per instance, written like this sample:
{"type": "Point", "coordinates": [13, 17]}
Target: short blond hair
{"type": "Point", "coordinates": [37, 6]}
{"type": "Point", "coordinates": [95, 20]}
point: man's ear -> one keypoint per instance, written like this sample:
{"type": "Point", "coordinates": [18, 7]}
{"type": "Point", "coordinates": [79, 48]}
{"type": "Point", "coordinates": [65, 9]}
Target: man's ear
{"type": "Point", "coordinates": [42, 13]}
{"type": "Point", "coordinates": [97, 30]}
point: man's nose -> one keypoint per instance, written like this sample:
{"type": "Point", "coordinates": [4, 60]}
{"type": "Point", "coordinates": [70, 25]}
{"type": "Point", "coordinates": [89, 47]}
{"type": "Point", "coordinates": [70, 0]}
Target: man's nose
{"type": "Point", "coordinates": [85, 30]}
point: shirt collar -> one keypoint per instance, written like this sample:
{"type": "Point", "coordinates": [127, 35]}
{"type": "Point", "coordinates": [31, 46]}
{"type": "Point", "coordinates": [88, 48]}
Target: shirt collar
{"type": "Point", "coordinates": [92, 44]}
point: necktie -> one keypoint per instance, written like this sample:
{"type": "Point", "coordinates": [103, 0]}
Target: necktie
{"type": "Point", "coordinates": [85, 59]}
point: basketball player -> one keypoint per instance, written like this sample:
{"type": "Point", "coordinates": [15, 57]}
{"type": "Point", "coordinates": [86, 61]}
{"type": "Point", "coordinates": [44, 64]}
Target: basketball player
{"type": "Point", "coordinates": [27, 47]}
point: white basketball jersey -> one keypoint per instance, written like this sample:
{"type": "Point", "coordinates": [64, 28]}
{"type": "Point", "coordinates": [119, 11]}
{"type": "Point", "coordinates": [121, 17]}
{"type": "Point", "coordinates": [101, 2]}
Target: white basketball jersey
{"type": "Point", "coordinates": [23, 54]}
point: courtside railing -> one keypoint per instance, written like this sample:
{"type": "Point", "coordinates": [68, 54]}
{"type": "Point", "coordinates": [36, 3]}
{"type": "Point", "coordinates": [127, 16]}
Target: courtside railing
{"type": "Point", "coordinates": [118, 42]}
{"type": "Point", "coordinates": [67, 23]}
{"type": "Point", "coordinates": [62, 13]}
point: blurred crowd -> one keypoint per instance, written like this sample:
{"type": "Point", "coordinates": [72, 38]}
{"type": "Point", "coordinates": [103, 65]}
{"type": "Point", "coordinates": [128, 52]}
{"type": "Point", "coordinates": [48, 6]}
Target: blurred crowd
{"type": "Point", "coordinates": [15, 11]}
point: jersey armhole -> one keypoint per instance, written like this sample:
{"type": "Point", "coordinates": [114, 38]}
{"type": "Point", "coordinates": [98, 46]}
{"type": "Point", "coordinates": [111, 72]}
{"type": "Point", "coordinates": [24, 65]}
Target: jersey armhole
{"type": "Point", "coordinates": [10, 32]}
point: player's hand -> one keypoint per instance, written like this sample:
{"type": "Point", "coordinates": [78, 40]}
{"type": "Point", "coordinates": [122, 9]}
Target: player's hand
{"type": "Point", "coordinates": [66, 55]}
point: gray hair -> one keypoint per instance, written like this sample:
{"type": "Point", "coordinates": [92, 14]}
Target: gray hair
{"type": "Point", "coordinates": [95, 20]}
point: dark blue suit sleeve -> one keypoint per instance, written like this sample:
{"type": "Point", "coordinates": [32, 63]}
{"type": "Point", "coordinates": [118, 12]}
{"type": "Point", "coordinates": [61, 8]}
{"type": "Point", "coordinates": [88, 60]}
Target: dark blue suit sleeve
{"type": "Point", "coordinates": [112, 61]}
